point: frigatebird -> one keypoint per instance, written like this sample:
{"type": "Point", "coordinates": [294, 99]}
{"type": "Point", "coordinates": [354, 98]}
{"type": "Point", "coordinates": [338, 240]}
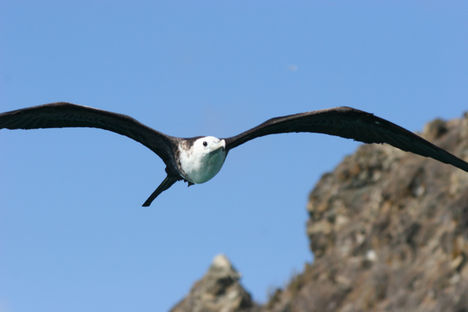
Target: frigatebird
{"type": "Point", "coordinates": [198, 159]}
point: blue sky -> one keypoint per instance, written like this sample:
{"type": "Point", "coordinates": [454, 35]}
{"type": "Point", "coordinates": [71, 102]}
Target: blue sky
{"type": "Point", "coordinates": [73, 234]}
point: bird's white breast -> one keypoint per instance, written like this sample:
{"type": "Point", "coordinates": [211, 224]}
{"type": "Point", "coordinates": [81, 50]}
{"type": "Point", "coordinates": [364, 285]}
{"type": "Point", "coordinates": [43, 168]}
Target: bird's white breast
{"type": "Point", "coordinates": [199, 165]}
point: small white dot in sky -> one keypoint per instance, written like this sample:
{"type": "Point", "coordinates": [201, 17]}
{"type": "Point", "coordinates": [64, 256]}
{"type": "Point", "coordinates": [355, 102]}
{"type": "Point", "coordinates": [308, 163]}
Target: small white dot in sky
{"type": "Point", "coordinates": [293, 67]}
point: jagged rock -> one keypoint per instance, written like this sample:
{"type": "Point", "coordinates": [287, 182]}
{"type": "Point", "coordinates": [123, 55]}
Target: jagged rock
{"type": "Point", "coordinates": [218, 291]}
{"type": "Point", "coordinates": [389, 231]}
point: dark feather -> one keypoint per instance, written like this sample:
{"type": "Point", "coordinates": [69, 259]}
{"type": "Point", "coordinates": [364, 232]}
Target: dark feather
{"type": "Point", "coordinates": [165, 184]}
{"type": "Point", "coordinates": [61, 115]}
{"type": "Point", "coordinates": [349, 123]}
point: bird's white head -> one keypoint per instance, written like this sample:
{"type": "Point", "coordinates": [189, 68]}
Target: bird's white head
{"type": "Point", "coordinates": [202, 159]}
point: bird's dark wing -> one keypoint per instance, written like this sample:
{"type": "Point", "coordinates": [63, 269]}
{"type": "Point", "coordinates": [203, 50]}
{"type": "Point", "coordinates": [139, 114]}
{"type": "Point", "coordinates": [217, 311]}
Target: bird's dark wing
{"type": "Point", "coordinates": [349, 123]}
{"type": "Point", "coordinates": [61, 115]}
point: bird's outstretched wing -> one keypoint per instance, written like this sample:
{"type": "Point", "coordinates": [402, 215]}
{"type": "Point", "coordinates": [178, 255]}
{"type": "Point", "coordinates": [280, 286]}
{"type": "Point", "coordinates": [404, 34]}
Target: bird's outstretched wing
{"type": "Point", "coordinates": [349, 123]}
{"type": "Point", "coordinates": [61, 115]}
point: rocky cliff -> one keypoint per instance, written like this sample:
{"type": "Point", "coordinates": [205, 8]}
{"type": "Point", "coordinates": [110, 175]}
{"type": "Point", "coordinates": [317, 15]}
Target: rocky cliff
{"type": "Point", "coordinates": [389, 231]}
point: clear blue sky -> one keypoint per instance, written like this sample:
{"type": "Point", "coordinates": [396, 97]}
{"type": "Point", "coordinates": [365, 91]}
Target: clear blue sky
{"type": "Point", "coordinates": [73, 234]}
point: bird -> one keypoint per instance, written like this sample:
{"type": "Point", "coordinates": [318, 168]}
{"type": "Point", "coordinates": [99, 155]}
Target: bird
{"type": "Point", "coordinates": [196, 160]}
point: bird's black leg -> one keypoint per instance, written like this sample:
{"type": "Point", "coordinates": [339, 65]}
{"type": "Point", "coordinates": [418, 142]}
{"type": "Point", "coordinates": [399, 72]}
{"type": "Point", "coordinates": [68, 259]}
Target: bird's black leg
{"type": "Point", "coordinates": [167, 183]}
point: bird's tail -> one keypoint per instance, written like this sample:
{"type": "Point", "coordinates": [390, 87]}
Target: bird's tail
{"type": "Point", "coordinates": [167, 183]}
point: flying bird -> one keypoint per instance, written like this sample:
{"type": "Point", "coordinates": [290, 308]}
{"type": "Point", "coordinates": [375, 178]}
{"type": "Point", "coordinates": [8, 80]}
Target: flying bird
{"type": "Point", "coordinates": [198, 159]}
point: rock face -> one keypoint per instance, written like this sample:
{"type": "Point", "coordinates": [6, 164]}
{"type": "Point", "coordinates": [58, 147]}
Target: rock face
{"type": "Point", "coordinates": [389, 231]}
{"type": "Point", "coordinates": [218, 291]}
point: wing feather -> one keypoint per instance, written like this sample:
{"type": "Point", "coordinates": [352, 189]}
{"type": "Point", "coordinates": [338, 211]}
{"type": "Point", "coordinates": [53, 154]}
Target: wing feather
{"type": "Point", "coordinates": [349, 123]}
{"type": "Point", "coordinates": [61, 115]}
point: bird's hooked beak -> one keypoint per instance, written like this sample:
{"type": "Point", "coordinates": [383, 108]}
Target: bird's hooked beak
{"type": "Point", "coordinates": [222, 144]}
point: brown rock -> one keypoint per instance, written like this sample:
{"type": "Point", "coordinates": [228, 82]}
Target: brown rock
{"type": "Point", "coordinates": [404, 242]}
{"type": "Point", "coordinates": [218, 291]}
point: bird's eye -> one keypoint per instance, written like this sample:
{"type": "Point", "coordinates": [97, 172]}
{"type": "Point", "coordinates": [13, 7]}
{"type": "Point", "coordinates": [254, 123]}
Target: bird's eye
{"type": "Point", "coordinates": [205, 143]}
